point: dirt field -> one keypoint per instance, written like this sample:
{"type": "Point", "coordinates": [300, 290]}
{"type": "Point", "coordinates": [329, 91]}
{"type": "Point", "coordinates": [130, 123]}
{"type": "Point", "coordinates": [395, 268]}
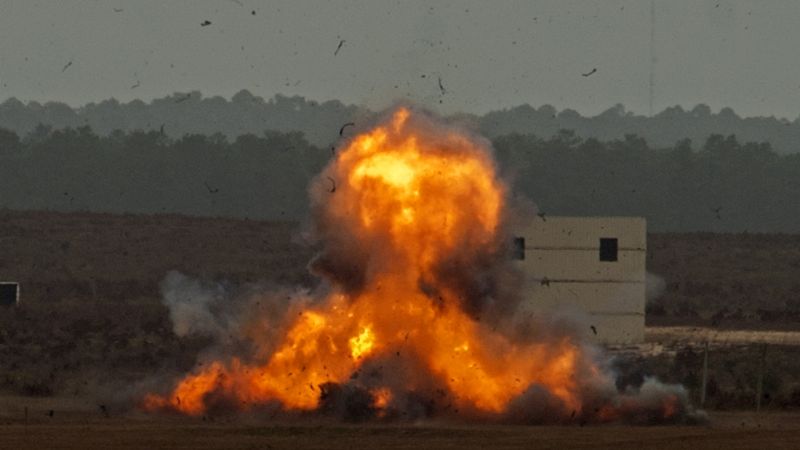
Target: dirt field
{"type": "Point", "coordinates": [726, 281]}
{"type": "Point", "coordinates": [91, 310]}
{"type": "Point", "coordinates": [60, 256]}
{"type": "Point", "coordinates": [677, 336]}
{"type": "Point", "coordinates": [733, 281]}
{"type": "Point", "coordinates": [80, 424]}
{"type": "Point", "coordinates": [728, 431]}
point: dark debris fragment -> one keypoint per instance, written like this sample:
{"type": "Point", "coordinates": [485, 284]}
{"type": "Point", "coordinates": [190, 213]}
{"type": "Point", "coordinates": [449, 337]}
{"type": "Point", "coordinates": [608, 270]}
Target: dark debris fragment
{"type": "Point", "coordinates": [348, 124]}
{"type": "Point", "coordinates": [591, 72]}
{"type": "Point", "coordinates": [339, 47]}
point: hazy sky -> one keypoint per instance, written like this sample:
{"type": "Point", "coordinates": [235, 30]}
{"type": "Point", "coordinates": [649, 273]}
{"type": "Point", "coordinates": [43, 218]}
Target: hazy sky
{"type": "Point", "coordinates": [488, 54]}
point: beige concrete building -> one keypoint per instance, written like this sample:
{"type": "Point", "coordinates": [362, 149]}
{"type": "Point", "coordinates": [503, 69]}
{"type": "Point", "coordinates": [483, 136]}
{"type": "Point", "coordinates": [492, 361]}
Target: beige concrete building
{"type": "Point", "coordinates": [591, 266]}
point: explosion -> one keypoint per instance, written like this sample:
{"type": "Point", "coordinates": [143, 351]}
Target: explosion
{"type": "Point", "coordinates": [416, 317]}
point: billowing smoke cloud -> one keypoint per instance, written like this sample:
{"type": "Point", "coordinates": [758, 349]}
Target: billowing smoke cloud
{"type": "Point", "coordinates": [417, 315]}
{"type": "Point", "coordinates": [241, 321]}
{"type": "Point", "coordinates": [194, 308]}
{"type": "Point", "coordinates": [654, 287]}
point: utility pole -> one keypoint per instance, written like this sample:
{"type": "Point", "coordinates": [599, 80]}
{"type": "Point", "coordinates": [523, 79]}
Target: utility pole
{"type": "Point", "coordinates": [705, 375]}
{"type": "Point", "coordinates": [652, 54]}
{"type": "Point", "coordinates": [760, 385]}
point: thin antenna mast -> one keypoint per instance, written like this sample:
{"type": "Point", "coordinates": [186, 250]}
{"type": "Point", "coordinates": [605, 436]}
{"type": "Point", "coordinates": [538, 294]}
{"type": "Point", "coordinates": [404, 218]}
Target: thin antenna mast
{"type": "Point", "coordinates": [652, 54]}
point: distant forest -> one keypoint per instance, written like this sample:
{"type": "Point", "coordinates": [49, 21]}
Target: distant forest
{"type": "Point", "coordinates": [244, 113]}
{"type": "Point", "coordinates": [718, 184]}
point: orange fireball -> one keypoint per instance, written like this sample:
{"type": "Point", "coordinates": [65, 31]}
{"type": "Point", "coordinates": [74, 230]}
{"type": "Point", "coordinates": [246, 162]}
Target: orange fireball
{"type": "Point", "coordinates": [418, 205]}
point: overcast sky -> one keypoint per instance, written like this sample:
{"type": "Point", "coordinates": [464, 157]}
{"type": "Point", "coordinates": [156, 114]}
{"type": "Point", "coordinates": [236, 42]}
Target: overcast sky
{"type": "Point", "coordinates": [488, 55]}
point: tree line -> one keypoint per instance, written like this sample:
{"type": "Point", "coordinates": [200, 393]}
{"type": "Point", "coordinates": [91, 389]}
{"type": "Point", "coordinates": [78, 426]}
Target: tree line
{"type": "Point", "coordinates": [721, 185]}
{"type": "Point", "coordinates": [256, 176]}
{"type": "Point", "coordinates": [192, 113]}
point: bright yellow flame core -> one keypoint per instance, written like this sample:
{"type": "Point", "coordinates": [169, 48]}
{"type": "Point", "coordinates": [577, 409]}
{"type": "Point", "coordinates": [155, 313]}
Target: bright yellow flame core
{"type": "Point", "coordinates": [361, 344]}
{"type": "Point", "coordinates": [413, 196]}
{"type": "Point", "coordinates": [390, 169]}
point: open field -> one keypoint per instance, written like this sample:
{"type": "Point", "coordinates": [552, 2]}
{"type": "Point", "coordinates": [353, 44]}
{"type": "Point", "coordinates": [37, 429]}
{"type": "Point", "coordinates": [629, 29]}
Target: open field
{"type": "Point", "coordinates": [677, 336]}
{"type": "Point", "coordinates": [88, 431]}
{"type": "Point", "coordinates": [726, 281]}
{"type": "Point", "coordinates": [79, 424]}
{"type": "Point", "coordinates": [91, 320]}
{"type": "Point", "coordinates": [91, 311]}
{"type": "Point", "coordinates": [732, 281]}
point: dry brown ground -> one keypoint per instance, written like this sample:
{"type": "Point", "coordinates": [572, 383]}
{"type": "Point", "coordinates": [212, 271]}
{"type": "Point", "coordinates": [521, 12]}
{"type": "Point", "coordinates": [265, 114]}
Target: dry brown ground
{"type": "Point", "coordinates": [733, 281]}
{"type": "Point", "coordinates": [91, 256]}
{"type": "Point", "coordinates": [79, 424]}
{"type": "Point", "coordinates": [744, 281]}
{"type": "Point", "coordinates": [679, 336]}
{"type": "Point", "coordinates": [728, 431]}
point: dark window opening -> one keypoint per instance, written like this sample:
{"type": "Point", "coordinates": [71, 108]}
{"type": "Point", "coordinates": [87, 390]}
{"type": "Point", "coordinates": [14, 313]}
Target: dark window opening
{"type": "Point", "coordinates": [608, 249]}
{"type": "Point", "coordinates": [519, 248]}
{"type": "Point", "coordinates": [8, 294]}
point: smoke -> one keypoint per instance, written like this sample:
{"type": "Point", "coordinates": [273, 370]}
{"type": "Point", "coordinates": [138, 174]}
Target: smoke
{"type": "Point", "coordinates": [654, 287]}
{"type": "Point", "coordinates": [241, 321]}
{"type": "Point", "coordinates": [194, 308]}
{"type": "Point", "coordinates": [417, 315]}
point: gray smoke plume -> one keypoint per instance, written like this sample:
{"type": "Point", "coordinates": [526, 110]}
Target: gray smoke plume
{"type": "Point", "coordinates": [194, 308]}
{"type": "Point", "coordinates": [242, 321]}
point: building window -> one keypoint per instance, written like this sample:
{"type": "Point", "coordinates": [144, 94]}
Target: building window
{"type": "Point", "coordinates": [519, 248]}
{"type": "Point", "coordinates": [608, 249]}
{"type": "Point", "coordinates": [9, 294]}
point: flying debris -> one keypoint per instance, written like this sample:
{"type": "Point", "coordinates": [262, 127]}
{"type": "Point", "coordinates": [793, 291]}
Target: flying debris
{"type": "Point", "coordinates": [205, 23]}
{"type": "Point", "coordinates": [333, 185]}
{"type": "Point", "coordinates": [441, 86]}
{"type": "Point", "coordinates": [118, 10]}
{"type": "Point", "coordinates": [542, 216]}
{"type": "Point", "coordinates": [348, 124]}
{"type": "Point", "coordinates": [594, 330]}
{"type": "Point", "coordinates": [210, 190]}
{"type": "Point", "coordinates": [161, 129]}
{"type": "Point", "coordinates": [717, 212]}
{"type": "Point", "coordinates": [67, 66]}
{"type": "Point", "coordinates": [339, 47]}
{"type": "Point", "coordinates": [138, 83]}
{"type": "Point", "coordinates": [591, 72]}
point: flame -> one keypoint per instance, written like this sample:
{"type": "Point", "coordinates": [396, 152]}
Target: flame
{"type": "Point", "coordinates": [381, 399]}
{"type": "Point", "coordinates": [361, 344]}
{"type": "Point", "coordinates": [415, 199]}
